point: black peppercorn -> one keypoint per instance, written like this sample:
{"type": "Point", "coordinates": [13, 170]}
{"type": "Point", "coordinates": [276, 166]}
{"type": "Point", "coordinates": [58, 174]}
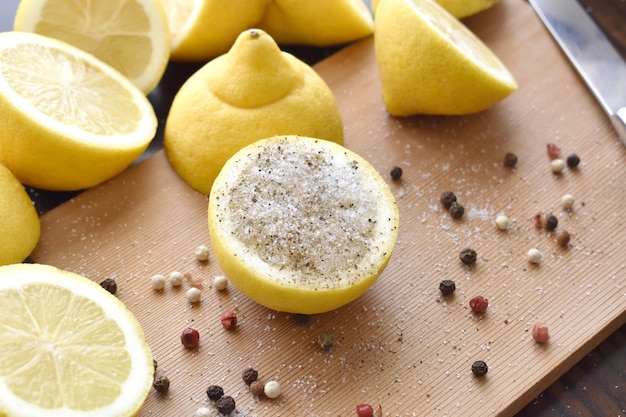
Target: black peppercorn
{"type": "Point", "coordinates": [551, 221]}
{"type": "Point", "coordinates": [396, 173]}
{"type": "Point", "coordinates": [447, 287]}
{"type": "Point", "coordinates": [161, 384]}
{"type": "Point", "coordinates": [226, 405]}
{"type": "Point", "coordinates": [456, 211]}
{"type": "Point", "coordinates": [301, 319]}
{"type": "Point", "coordinates": [110, 285]}
{"type": "Point", "coordinates": [573, 160]}
{"type": "Point", "coordinates": [510, 159]}
{"type": "Point", "coordinates": [214, 392]}
{"type": "Point", "coordinates": [447, 198]}
{"type": "Point", "coordinates": [249, 375]}
{"type": "Point", "coordinates": [468, 256]}
{"type": "Point", "coordinates": [479, 368]}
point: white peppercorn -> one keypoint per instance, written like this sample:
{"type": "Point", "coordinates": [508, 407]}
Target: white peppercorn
{"type": "Point", "coordinates": [176, 278]}
{"type": "Point", "coordinates": [557, 165]}
{"type": "Point", "coordinates": [193, 295]}
{"type": "Point", "coordinates": [158, 282]}
{"type": "Point", "coordinates": [220, 282]}
{"type": "Point", "coordinates": [568, 201]}
{"type": "Point", "coordinates": [272, 389]}
{"type": "Point", "coordinates": [534, 256]}
{"type": "Point", "coordinates": [202, 253]}
{"type": "Point", "coordinates": [502, 222]}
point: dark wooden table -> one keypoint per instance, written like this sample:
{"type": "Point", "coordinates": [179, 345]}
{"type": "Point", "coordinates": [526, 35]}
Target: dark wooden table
{"type": "Point", "coordinates": [594, 387]}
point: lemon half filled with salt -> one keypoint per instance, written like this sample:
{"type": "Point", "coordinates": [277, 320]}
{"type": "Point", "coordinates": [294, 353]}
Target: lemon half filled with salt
{"type": "Point", "coordinates": [301, 225]}
{"type": "Point", "coordinates": [68, 348]}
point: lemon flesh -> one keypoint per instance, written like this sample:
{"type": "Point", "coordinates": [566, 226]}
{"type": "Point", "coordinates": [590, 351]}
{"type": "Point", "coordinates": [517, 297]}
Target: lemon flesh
{"type": "Point", "coordinates": [252, 92]}
{"type": "Point", "coordinates": [68, 347]}
{"type": "Point", "coordinates": [317, 23]}
{"type": "Point", "coordinates": [204, 29]}
{"type": "Point", "coordinates": [130, 35]}
{"type": "Point", "coordinates": [301, 225]}
{"type": "Point", "coordinates": [19, 222]}
{"type": "Point", "coordinates": [69, 121]}
{"type": "Point", "coordinates": [458, 8]}
{"type": "Point", "coordinates": [430, 63]}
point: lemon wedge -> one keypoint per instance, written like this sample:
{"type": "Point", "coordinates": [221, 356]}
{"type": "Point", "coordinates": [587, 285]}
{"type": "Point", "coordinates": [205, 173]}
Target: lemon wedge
{"type": "Point", "coordinates": [68, 347]}
{"type": "Point", "coordinates": [301, 225]}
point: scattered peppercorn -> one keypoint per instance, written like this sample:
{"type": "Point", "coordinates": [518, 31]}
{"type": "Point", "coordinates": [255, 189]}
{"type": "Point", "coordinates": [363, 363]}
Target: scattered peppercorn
{"type": "Point", "coordinates": [479, 304]}
{"type": "Point", "coordinates": [161, 384]}
{"type": "Point", "coordinates": [257, 388]}
{"type": "Point", "coordinates": [551, 221]}
{"type": "Point", "coordinates": [158, 282]}
{"type": "Point", "coordinates": [447, 287]}
{"type": "Point", "coordinates": [226, 405]}
{"type": "Point", "coordinates": [190, 338]}
{"type": "Point", "coordinates": [249, 375]}
{"type": "Point", "coordinates": [364, 410]}
{"type": "Point", "coordinates": [110, 285]}
{"type": "Point", "coordinates": [176, 278]}
{"type": "Point", "coordinates": [202, 253]}
{"type": "Point", "coordinates": [214, 392]}
{"type": "Point", "coordinates": [220, 282]}
{"type": "Point", "coordinates": [155, 364]}
{"type": "Point", "coordinates": [229, 320]}
{"type": "Point", "coordinates": [562, 237]}
{"type": "Point", "coordinates": [456, 210]}
{"type": "Point", "coordinates": [573, 160]}
{"type": "Point", "coordinates": [568, 201]}
{"type": "Point", "coordinates": [468, 256]}
{"type": "Point", "coordinates": [272, 389]}
{"type": "Point", "coordinates": [534, 256]}
{"type": "Point", "coordinates": [447, 198]}
{"type": "Point", "coordinates": [538, 220]}
{"type": "Point", "coordinates": [479, 368]}
{"type": "Point", "coordinates": [540, 332]}
{"type": "Point", "coordinates": [301, 319]}
{"type": "Point", "coordinates": [557, 165]}
{"type": "Point", "coordinates": [326, 339]}
{"type": "Point", "coordinates": [553, 151]}
{"type": "Point", "coordinates": [396, 173]}
{"type": "Point", "coordinates": [502, 222]}
{"type": "Point", "coordinates": [194, 295]}
{"type": "Point", "coordinates": [510, 159]}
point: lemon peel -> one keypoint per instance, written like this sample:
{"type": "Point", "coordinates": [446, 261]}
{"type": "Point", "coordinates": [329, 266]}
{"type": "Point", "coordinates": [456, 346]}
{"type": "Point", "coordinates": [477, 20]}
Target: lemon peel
{"type": "Point", "coordinates": [301, 225]}
{"type": "Point", "coordinates": [252, 92]}
{"type": "Point", "coordinates": [19, 223]}
{"type": "Point", "coordinates": [430, 63]}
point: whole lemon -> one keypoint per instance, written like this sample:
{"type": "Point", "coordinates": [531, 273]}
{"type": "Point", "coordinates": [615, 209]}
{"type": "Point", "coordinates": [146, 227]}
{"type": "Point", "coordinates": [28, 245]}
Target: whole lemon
{"type": "Point", "coordinates": [19, 222]}
{"type": "Point", "coordinates": [252, 92]}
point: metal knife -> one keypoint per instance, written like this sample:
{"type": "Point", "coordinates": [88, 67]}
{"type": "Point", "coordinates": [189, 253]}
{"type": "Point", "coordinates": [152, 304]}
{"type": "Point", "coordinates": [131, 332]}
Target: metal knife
{"type": "Point", "coordinates": [592, 54]}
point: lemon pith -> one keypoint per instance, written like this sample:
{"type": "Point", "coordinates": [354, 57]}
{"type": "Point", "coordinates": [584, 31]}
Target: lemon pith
{"type": "Point", "coordinates": [301, 225]}
{"type": "Point", "coordinates": [82, 352]}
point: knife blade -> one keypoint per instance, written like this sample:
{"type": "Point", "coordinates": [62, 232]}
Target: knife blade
{"type": "Point", "coordinates": [591, 53]}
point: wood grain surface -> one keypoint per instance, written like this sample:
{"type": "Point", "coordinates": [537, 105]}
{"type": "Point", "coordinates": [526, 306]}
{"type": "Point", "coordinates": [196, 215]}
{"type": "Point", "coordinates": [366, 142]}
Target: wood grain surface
{"type": "Point", "coordinates": [401, 344]}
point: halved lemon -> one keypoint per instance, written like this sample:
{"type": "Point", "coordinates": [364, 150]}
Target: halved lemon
{"type": "Point", "coordinates": [68, 348]}
{"type": "Point", "coordinates": [130, 35]}
{"type": "Point", "coordinates": [68, 120]}
{"type": "Point", "coordinates": [301, 225]}
{"type": "Point", "coordinates": [430, 63]}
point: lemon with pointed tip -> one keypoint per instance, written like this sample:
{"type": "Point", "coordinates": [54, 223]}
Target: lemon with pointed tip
{"type": "Point", "coordinates": [458, 8]}
{"type": "Point", "coordinates": [301, 225]}
{"type": "Point", "coordinates": [68, 347]}
{"type": "Point", "coordinates": [430, 63]}
{"type": "Point", "coordinates": [204, 29]}
{"type": "Point", "coordinates": [252, 92]}
{"type": "Point", "coordinates": [317, 23]}
{"type": "Point", "coordinates": [130, 35]}
{"type": "Point", "coordinates": [68, 120]}
{"type": "Point", "coordinates": [19, 222]}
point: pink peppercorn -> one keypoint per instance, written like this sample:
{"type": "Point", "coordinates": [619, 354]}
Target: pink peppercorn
{"type": "Point", "coordinates": [190, 338]}
{"type": "Point", "coordinates": [364, 410]}
{"type": "Point", "coordinates": [479, 304]}
{"type": "Point", "coordinates": [229, 320]}
{"type": "Point", "coordinates": [540, 332]}
{"type": "Point", "coordinates": [553, 151]}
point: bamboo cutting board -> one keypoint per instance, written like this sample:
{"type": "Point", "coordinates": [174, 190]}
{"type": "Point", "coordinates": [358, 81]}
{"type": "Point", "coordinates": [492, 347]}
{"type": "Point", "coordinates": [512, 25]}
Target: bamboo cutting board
{"type": "Point", "coordinates": [400, 345]}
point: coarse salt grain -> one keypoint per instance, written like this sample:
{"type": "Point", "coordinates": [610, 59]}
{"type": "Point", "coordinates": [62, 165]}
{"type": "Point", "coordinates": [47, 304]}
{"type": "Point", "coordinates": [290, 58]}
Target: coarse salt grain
{"type": "Point", "coordinates": [176, 278]}
{"type": "Point", "coordinates": [502, 222]}
{"type": "Point", "coordinates": [220, 282]}
{"type": "Point", "coordinates": [193, 295]}
{"type": "Point", "coordinates": [534, 256]}
{"type": "Point", "coordinates": [158, 282]}
{"type": "Point", "coordinates": [205, 412]}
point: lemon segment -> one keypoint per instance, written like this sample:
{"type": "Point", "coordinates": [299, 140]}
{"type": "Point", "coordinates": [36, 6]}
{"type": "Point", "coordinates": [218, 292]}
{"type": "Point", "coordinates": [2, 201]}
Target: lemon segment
{"type": "Point", "coordinates": [130, 35]}
{"type": "Point", "coordinates": [69, 120]}
{"type": "Point", "coordinates": [68, 347]}
{"type": "Point", "coordinates": [458, 8]}
{"type": "Point", "coordinates": [430, 63]}
{"type": "Point", "coordinates": [204, 29]}
{"type": "Point", "coordinates": [301, 225]}
{"type": "Point", "coordinates": [252, 92]}
{"type": "Point", "coordinates": [317, 23]}
{"type": "Point", "coordinates": [19, 223]}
